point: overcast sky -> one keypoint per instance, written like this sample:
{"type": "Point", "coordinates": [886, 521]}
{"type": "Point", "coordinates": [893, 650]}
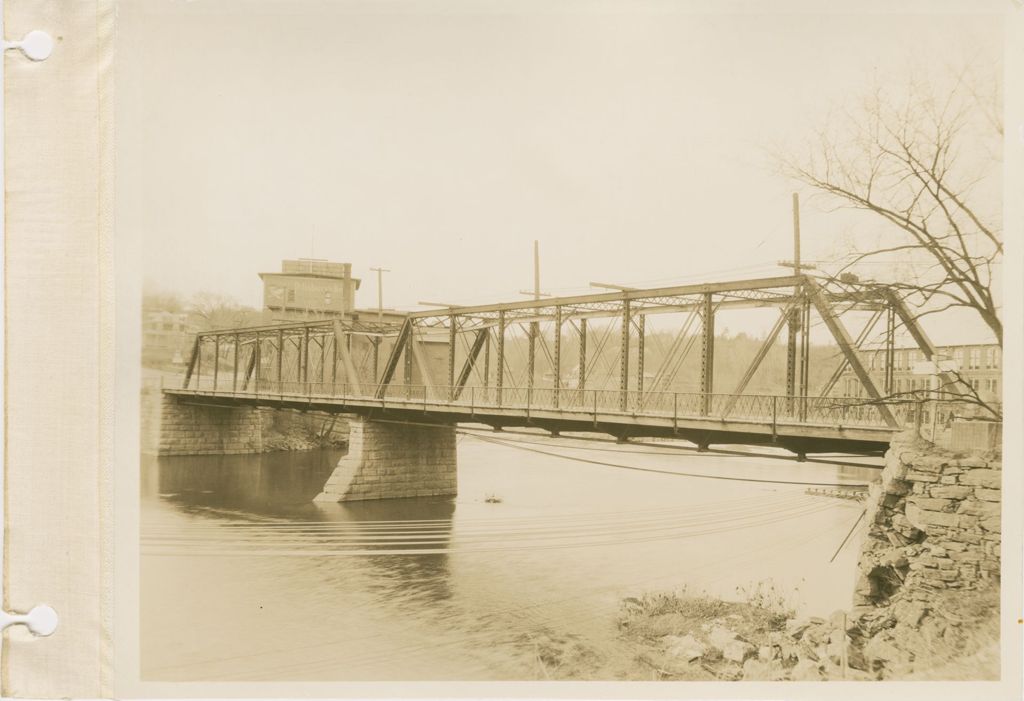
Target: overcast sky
{"type": "Point", "coordinates": [439, 142]}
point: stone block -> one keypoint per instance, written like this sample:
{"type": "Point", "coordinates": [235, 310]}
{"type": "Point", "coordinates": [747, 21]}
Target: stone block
{"type": "Point", "coordinates": [929, 504]}
{"type": "Point", "coordinates": [979, 508]}
{"type": "Point", "coordinates": [992, 523]}
{"type": "Point", "coordinates": [949, 492]}
{"type": "Point", "coordinates": [918, 476]}
{"type": "Point", "coordinates": [987, 478]}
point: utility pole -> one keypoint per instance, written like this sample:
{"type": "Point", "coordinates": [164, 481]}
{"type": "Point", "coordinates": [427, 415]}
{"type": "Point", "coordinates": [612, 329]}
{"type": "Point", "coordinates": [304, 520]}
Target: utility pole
{"type": "Point", "coordinates": [536, 269]}
{"type": "Point", "coordinates": [796, 367]}
{"type": "Point", "coordinates": [796, 234]}
{"type": "Point", "coordinates": [534, 326]}
{"type": "Point", "coordinates": [380, 319]}
{"type": "Point", "coordinates": [380, 292]}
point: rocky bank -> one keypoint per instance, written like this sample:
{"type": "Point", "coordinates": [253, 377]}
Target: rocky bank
{"type": "Point", "coordinates": [926, 596]}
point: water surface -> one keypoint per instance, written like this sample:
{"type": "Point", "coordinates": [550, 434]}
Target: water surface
{"type": "Point", "coordinates": [244, 578]}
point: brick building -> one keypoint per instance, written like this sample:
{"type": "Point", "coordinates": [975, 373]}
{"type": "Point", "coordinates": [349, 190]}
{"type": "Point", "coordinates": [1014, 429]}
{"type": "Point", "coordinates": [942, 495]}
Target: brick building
{"type": "Point", "coordinates": [309, 288]}
{"type": "Point", "coordinates": [979, 364]}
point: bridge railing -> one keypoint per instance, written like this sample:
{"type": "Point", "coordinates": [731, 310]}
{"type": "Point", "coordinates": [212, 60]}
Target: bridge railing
{"type": "Point", "coordinates": [820, 411]}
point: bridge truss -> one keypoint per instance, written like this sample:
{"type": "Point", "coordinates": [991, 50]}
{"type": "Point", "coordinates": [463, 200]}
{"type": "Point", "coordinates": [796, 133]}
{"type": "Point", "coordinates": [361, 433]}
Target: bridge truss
{"type": "Point", "coordinates": [577, 352]}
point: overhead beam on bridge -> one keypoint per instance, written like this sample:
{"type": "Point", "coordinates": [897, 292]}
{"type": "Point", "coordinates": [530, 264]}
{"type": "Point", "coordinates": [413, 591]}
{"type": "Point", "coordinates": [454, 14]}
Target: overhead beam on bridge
{"type": "Point", "coordinates": [626, 295]}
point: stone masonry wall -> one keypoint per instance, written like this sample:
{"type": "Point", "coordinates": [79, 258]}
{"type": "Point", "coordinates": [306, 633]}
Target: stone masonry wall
{"type": "Point", "coordinates": [387, 460]}
{"type": "Point", "coordinates": [189, 429]}
{"type": "Point", "coordinates": [933, 529]}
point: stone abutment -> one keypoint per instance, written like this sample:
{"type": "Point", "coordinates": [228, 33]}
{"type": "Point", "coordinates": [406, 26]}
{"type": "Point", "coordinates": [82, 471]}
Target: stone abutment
{"type": "Point", "coordinates": [393, 460]}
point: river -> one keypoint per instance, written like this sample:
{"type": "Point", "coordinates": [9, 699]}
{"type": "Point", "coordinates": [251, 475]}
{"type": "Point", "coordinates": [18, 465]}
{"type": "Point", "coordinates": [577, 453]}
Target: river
{"type": "Point", "coordinates": [243, 578]}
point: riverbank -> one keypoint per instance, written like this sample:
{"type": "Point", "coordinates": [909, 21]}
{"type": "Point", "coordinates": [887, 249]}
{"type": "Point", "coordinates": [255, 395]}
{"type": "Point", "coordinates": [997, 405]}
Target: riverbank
{"type": "Point", "coordinates": [925, 605]}
{"type": "Point", "coordinates": [682, 637]}
{"type": "Point", "coordinates": [300, 437]}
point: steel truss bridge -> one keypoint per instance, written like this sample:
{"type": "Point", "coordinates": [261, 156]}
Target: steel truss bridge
{"type": "Point", "coordinates": [481, 364]}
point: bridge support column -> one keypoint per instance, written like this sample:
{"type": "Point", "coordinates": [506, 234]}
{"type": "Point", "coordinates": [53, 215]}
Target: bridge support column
{"type": "Point", "coordinates": [391, 461]}
{"type": "Point", "coordinates": [193, 429]}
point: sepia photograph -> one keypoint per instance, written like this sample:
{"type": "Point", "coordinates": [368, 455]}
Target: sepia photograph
{"type": "Point", "coordinates": [593, 341]}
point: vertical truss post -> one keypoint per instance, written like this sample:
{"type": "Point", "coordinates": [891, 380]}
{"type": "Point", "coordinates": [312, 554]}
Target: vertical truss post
{"type": "Point", "coordinates": [581, 383]}
{"type": "Point", "coordinates": [890, 347]}
{"type": "Point", "coordinates": [451, 357]}
{"type": "Point", "coordinates": [216, 360]}
{"type": "Point", "coordinates": [305, 355]}
{"type": "Point", "coordinates": [557, 360]}
{"type": "Point", "coordinates": [499, 377]}
{"type": "Point", "coordinates": [792, 330]}
{"type": "Point", "coordinates": [624, 358]}
{"type": "Point", "coordinates": [257, 361]}
{"type": "Point", "coordinates": [199, 363]}
{"type": "Point", "coordinates": [805, 357]}
{"type": "Point", "coordinates": [191, 362]}
{"type": "Point", "coordinates": [531, 357]}
{"type": "Point", "coordinates": [407, 370]}
{"type": "Point", "coordinates": [487, 360]}
{"type": "Point", "coordinates": [334, 360]}
{"type": "Point", "coordinates": [640, 324]}
{"type": "Point", "coordinates": [280, 360]}
{"type": "Point", "coordinates": [323, 359]}
{"type": "Point", "coordinates": [376, 358]}
{"type": "Point", "coordinates": [707, 358]}
{"type": "Point", "coordinates": [234, 367]}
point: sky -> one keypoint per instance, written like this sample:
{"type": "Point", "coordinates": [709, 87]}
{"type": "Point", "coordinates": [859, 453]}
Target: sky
{"type": "Point", "coordinates": [440, 139]}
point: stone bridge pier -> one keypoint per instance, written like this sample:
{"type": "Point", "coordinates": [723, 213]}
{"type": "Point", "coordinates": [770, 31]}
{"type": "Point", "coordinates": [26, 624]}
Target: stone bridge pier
{"type": "Point", "coordinates": [388, 460]}
{"type": "Point", "coordinates": [174, 427]}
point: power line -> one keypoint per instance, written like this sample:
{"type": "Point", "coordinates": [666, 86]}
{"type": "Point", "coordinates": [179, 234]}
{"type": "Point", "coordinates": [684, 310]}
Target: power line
{"type": "Point", "coordinates": [672, 472]}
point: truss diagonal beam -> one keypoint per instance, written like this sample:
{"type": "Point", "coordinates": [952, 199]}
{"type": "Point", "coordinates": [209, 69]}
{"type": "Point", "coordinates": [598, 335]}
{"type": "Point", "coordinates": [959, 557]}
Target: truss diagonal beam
{"type": "Point", "coordinates": [396, 353]}
{"type": "Point", "coordinates": [467, 366]}
{"type": "Point", "coordinates": [762, 352]}
{"type": "Point", "coordinates": [842, 337]}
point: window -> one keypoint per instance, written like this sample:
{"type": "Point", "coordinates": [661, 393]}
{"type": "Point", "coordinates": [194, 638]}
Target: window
{"type": "Point", "coordinates": [958, 356]}
{"type": "Point", "coordinates": [975, 358]}
{"type": "Point", "coordinates": [997, 356]}
{"type": "Point", "coordinates": [899, 360]}
{"type": "Point", "coordinates": [327, 298]}
{"type": "Point", "coordinates": [291, 294]}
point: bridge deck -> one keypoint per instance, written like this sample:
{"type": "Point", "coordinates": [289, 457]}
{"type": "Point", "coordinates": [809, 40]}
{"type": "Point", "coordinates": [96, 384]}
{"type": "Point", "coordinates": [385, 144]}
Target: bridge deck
{"type": "Point", "coordinates": [811, 424]}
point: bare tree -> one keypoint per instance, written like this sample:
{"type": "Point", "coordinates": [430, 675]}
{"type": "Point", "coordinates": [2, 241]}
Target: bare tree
{"type": "Point", "coordinates": [216, 311]}
{"type": "Point", "coordinates": [919, 161]}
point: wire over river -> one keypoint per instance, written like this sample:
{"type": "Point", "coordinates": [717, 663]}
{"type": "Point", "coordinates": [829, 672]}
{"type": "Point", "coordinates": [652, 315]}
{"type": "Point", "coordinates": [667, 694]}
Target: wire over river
{"type": "Point", "coordinates": [603, 463]}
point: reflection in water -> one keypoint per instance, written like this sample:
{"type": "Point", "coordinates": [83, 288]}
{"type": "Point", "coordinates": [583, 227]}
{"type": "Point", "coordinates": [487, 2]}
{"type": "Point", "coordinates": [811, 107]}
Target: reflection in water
{"type": "Point", "coordinates": [244, 578]}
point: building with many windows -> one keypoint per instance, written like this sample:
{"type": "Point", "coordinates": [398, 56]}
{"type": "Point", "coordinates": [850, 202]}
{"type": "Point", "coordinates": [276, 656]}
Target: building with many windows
{"type": "Point", "coordinates": [309, 288]}
{"type": "Point", "coordinates": [978, 364]}
{"type": "Point", "coordinates": [166, 337]}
